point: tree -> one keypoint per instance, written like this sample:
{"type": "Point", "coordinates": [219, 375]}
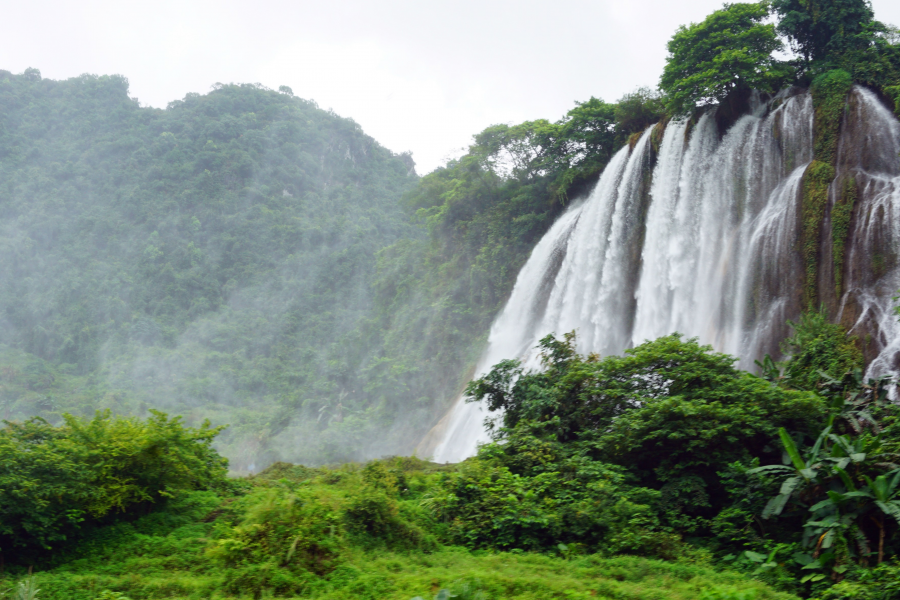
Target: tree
{"type": "Point", "coordinates": [730, 51]}
{"type": "Point", "coordinates": [673, 411]}
{"type": "Point", "coordinates": [638, 110]}
{"type": "Point", "coordinates": [818, 29]}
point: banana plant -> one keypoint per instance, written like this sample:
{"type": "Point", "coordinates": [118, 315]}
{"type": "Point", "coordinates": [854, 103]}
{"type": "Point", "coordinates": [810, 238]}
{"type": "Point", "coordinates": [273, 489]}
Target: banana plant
{"type": "Point", "coordinates": [853, 397]}
{"type": "Point", "coordinates": [801, 472]}
{"type": "Point", "coordinates": [885, 493]}
{"type": "Point", "coordinates": [837, 516]}
{"type": "Point", "coordinates": [770, 370]}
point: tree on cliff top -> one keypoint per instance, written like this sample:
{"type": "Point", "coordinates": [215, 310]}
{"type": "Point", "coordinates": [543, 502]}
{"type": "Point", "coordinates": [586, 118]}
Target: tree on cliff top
{"type": "Point", "coordinates": [730, 51]}
{"type": "Point", "coordinates": [818, 29]}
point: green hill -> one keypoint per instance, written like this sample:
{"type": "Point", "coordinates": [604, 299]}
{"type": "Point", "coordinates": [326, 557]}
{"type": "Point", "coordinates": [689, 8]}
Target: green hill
{"type": "Point", "coordinates": [246, 257]}
{"type": "Point", "coordinates": [214, 258]}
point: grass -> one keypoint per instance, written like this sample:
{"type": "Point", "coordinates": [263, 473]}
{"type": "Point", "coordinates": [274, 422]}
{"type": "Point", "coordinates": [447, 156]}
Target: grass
{"type": "Point", "coordinates": [402, 576]}
{"type": "Point", "coordinates": [170, 553]}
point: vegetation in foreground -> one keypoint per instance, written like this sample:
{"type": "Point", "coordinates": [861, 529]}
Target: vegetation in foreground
{"type": "Point", "coordinates": [347, 532]}
{"type": "Point", "coordinates": [662, 473]}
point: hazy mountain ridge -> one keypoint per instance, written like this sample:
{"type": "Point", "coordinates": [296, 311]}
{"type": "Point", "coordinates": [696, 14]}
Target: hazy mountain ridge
{"type": "Point", "coordinates": [247, 214]}
{"type": "Point", "coordinates": [247, 257]}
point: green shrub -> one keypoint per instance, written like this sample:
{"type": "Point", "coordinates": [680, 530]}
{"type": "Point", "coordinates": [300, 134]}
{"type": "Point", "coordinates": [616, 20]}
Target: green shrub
{"type": "Point", "coordinates": [818, 346]}
{"type": "Point", "coordinates": [53, 479]}
{"type": "Point", "coordinates": [893, 92]}
{"type": "Point", "coordinates": [376, 517]}
{"type": "Point", "coordinates": [300, 532]}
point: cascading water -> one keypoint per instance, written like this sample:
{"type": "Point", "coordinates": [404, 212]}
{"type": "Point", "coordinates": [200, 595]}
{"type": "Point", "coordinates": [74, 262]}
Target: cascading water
{"type": "Point", "coordinates": [869, 153]}
{"type": "Point", "coordinates": [707, 247]}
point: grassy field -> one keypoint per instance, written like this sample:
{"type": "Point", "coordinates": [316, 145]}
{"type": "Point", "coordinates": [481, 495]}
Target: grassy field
{"type": "Point", "coordinates": [178, 552]}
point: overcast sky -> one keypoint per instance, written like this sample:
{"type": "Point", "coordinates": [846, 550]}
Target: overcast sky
{"type": "Point", "coordinates": [417, 75]}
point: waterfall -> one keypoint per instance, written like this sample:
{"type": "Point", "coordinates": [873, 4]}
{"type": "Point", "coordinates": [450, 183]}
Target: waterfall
{"type": "Point", "coordinates": [700, 236]}
{"type": "Point", "coordinates": [868, 152]}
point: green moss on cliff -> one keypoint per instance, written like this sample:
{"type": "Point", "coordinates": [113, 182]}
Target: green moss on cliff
{"type": "Point", "coordinates": [841, 214]}
{"type": "Point", "coordinates": [829, 92]}
{"type": "Point", "coordinates": [659, 130]}
{"type": "Point", "coordinates": [634, 138]}
{"type": "Point", "coordinates": [816, 180]}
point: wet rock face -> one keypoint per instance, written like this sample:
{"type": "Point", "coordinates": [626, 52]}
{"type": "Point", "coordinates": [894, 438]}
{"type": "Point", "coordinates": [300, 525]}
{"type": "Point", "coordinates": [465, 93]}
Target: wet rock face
{"type": "Point", "coordinates": [869, 167]}
{"type": "Point", "coordinates": [870, 136]}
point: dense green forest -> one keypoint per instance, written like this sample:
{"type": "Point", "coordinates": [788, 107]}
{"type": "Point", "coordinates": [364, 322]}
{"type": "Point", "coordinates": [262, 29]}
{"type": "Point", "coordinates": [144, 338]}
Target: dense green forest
{"type": "Point", "coordinates": [247, 258]}
{"type": "Point", "coordinates": [214, 257]}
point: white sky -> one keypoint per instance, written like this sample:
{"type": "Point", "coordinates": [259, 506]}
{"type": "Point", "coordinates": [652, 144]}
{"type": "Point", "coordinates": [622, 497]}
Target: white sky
{"type": "Point", "coordinates": [417, 75]}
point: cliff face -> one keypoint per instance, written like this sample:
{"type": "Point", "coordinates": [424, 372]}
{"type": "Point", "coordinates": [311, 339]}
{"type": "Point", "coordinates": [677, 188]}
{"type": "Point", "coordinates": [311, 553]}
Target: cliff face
{"type": "Point", "coordinates": [858, 271]}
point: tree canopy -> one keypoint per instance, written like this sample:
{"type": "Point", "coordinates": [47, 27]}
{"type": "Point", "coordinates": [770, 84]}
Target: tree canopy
{"type": "Point", "coordinates": [818, 29]}
{"type": "Point", "coordinates": [728, 52]}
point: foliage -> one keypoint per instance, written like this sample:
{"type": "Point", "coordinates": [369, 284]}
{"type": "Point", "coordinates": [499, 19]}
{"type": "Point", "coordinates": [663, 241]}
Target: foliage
{"type": "Point", "coordinates": [207, 258]}
{"type": "Point", "coordinates": [841, 216]}
{"type": "Point", "coordinates": [835, 483]}
{"type": "Point", "coordinates": [818, 350]}
{"type": "Point", "coordinates": [690, 433]}
{"type": "Point", "coordinates": [638, 110]}
{"type": "Point", "coordinates": [839, 491]}
{"type": "Point", "coordinates": [25, 590]}
{"type": "Point", "coordinates": [841, 34]}
{"type": "Point", "coordinates": [645, 454]}
{"type": "Point", "coordinates": [819, 29]}
{"type": "Point", "coordinates": [877, 583]}
{"type": "Point", "coordinates": [558, 505]}
{"type": "Point", "coordinates": [893, 92]}
{"type": "Point", "coordinates": [644, 411]}
{"type": "Point", "coordinates": [816, 180]}
{"type": "Point", "coordinates": [829, 92]}
{"type": "Point", "coordinates": [729, 52]}
{"type": "Point", "coordinates": [54, 479]}
{"type": "Point", "coordinates": [238, 544]}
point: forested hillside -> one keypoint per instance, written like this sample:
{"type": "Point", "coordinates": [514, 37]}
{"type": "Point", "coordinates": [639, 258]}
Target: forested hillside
{"type": "Point", "coordinates": [214, 258]}
{"type": "Point", "coordinates": [246, 257]}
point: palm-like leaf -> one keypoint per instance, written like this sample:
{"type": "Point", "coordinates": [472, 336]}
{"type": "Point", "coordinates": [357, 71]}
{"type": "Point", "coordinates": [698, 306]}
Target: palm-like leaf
{"type": "Point", "coordinates": [27, 589]}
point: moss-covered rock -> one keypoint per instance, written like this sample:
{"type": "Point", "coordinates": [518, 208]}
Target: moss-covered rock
{"type": "Point", "coordinates": [829, 92]}
{"type": "Point", "coordinates": [841, 216]}
{"type": "Point", "coordinates": [816, 180]}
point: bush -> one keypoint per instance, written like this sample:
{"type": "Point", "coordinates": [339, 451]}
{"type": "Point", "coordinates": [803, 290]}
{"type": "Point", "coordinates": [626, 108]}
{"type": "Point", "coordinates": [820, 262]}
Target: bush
{"type": "Point", "coordinates": [299, 532]}
{"type": "Point", "coordinates": [818, 346]}
{"type": "Point", "coordinates": [576, 504]}
{"type": "Point", "coordinates": [54, 479]}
